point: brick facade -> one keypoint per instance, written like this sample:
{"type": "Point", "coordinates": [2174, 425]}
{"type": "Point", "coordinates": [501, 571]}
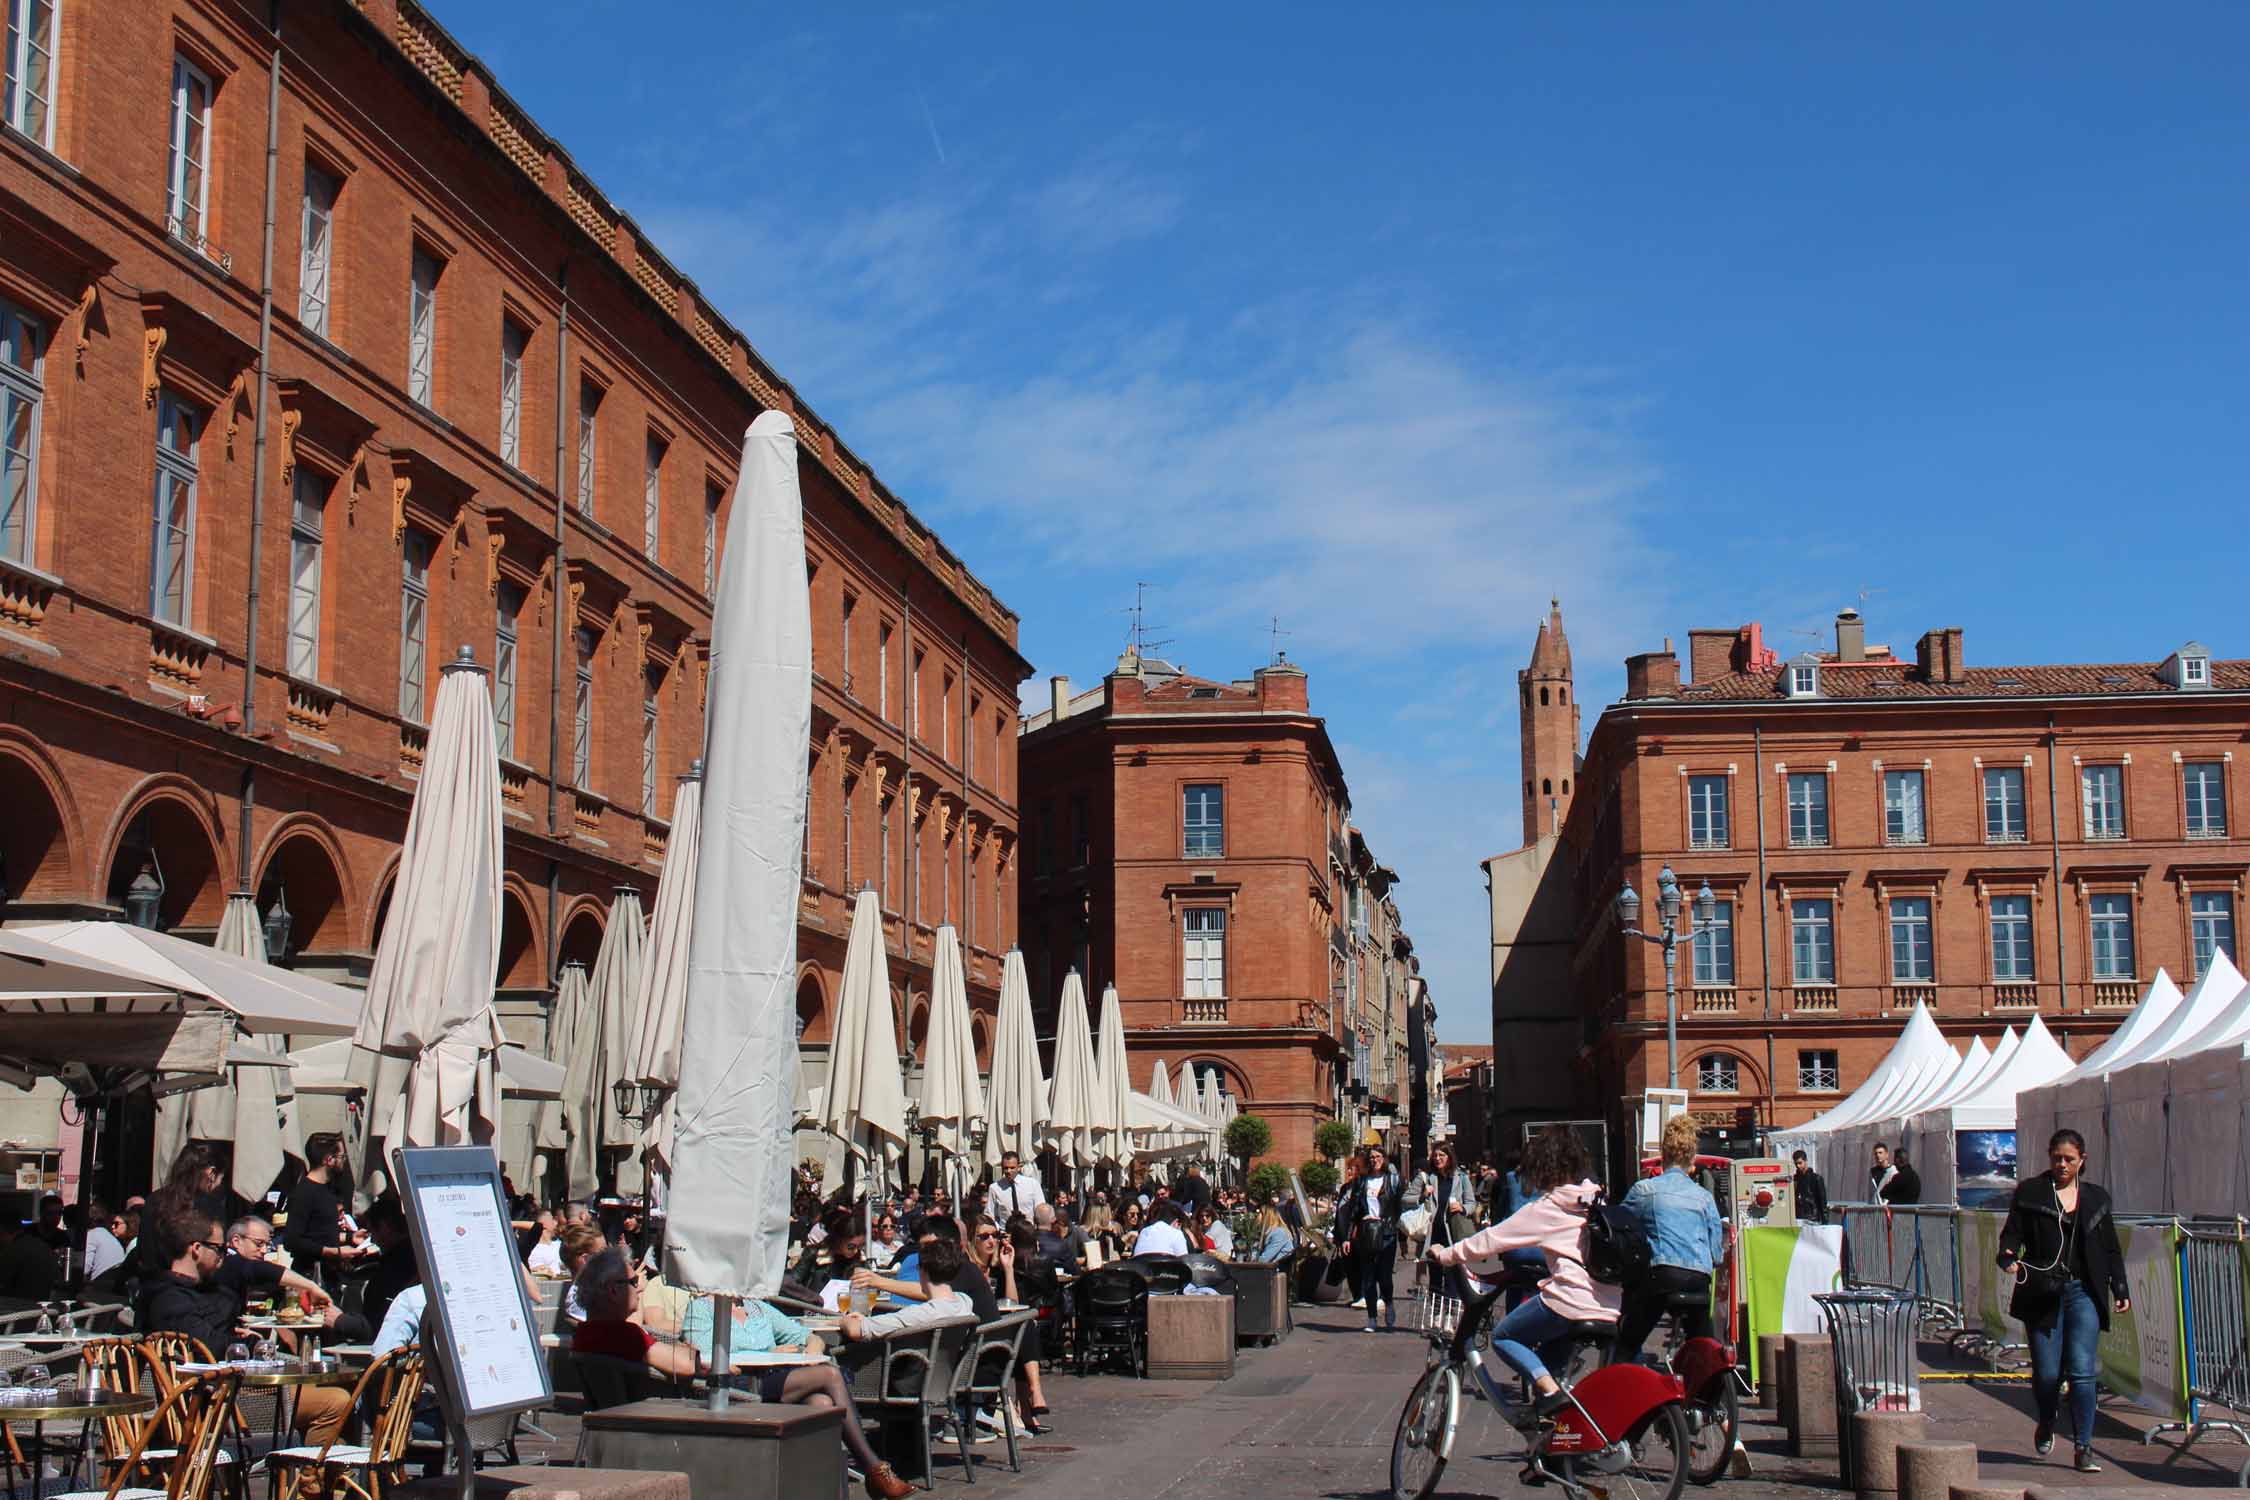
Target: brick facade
{"type": "Point", "coordinates": [1132, 865]}
{"type": "Point", "coordinates": [1880, 832]}
{"type": "Point", "coordinates": [424, 454]}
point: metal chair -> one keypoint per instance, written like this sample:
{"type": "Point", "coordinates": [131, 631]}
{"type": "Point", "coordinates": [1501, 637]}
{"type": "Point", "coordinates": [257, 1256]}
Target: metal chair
{"type": "Point", "coordinates": [1112, 1317]}
{"type": "Point", "coordinates": [986, 1374]}
{"type": "Point", "coordinates": [912, 1379]}
{"type": "Point", "coordinates": [199, 1407]}
{"type": "Point", "coordinates": [388, 1389]}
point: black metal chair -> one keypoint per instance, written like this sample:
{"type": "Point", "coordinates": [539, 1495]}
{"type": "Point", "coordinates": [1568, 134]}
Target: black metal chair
{"type": "Point", "coordinates": [1166, 1275]}
{"type": "Point", "coordinates": [985, 1374]}
{"type": "Point", "coordinates": [910, 1378]}
{"type": "Point", "coordinates": [1112, 1318]}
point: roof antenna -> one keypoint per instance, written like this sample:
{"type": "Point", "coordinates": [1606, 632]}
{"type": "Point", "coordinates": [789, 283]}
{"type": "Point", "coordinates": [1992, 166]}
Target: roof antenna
{"type": "Point", "coordinates": [1279, 635]}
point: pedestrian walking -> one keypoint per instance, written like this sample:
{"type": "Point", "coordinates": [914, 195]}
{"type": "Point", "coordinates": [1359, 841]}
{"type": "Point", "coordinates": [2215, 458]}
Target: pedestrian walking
{"type": "Point", "coordinates": [2060, 1242]}
{"type": "Point", "coordinates": [1812, 1191]}
{"type": "Point", "coordinates": [1367, 1222]}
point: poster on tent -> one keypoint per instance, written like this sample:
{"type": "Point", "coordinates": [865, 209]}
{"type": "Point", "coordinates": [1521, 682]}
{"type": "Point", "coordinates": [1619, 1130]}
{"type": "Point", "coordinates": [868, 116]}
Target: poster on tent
{"type": "Point", "coordinates": [2141, 1353]}
{"type": "Point", "coordinates": [1984, 1168]}
{"type": "Point", "coordinates": [1785, 1268]}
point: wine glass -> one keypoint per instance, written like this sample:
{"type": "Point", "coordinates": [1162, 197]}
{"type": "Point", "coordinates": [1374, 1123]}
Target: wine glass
{"type": "Point", "coordinates": [46, 1323]}
{"type": "Point", "coordinates": [38, 1382]}
{"type": "Point", "coordinates": [238, 1353]}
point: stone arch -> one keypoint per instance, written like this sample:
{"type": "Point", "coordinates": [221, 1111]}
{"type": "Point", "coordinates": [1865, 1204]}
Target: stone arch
{"type": "Point", "coordinates": [521, 966]}
{"type": "Point", "coordinates": [1542, 697]}
{"type": "Point", "coordinates": [42, 838]}
{"type": "Point", "coordinates": [583, 923]}
{"type": "Point", "coordinates": [812, 1005]}
{"type": "Point", "coordinates": [303, 864]}
{"type": "Point", "coordinates": [1547, 785]}
{"type": "Point", "coordinates": [1231, 1078]}
{"type": "Point", "coordinates": [1749, 1083]}
{"type": "Point", "coordinates": [172, 824]}
{"type": "Point", "coordinates": [917, 1023]}
{"type": "Point", "coordinates": [379, 910]}
{"type": "Point", "coordinates": [980, 1037]}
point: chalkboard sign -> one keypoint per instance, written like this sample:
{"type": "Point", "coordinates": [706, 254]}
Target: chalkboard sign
{"type": "Point", "coordinates": [479, 1327]}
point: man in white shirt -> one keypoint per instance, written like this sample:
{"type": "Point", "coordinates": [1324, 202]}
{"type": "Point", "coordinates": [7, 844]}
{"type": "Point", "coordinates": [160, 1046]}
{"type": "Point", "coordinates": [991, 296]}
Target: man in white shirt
{"type": "Point", "coordinates": [1161, 1235]}
{"type": "Point", "coordinates": [1014, 1191]}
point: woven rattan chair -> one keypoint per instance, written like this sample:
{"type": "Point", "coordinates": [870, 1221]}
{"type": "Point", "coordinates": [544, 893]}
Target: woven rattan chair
{"type": "Point", "coordinates": [200, 1408]}
{"type": "Point", "coordinates": [388, 1388]}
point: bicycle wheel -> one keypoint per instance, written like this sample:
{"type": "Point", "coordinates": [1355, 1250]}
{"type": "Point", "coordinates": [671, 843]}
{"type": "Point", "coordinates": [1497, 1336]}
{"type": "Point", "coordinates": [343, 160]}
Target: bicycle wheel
{"type": "Point", "coordinates": [1713, 1424]}
{"type": "Point", "coordinates": [1654, 1465]}
{"type": "Point", "coordinates": [1424, 1439]}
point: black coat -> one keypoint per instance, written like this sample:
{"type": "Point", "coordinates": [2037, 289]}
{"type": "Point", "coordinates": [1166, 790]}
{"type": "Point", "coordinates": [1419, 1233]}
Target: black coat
{"type": "Point", "coordinates": [1905, 1185]}
{"type": "Point", "coordinates": [1812, 1197]}
{"type": "Point", "coordinates": [2033, 1235]}
{"type": "Point", "coordinates": [1353, 1208]}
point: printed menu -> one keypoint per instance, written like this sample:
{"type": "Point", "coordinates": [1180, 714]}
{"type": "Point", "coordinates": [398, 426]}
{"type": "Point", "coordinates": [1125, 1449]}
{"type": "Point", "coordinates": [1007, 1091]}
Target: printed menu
{"type": "Point", "coordinates": [493, 1355]}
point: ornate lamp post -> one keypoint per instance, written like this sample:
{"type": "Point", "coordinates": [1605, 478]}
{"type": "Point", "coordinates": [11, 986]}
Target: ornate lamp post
{"type": "Point", "coordinates": [144, 896]}
{"type": "Point", "coordinates": [278, 922]}
{"type": "Point", "coordinates": [1668, 903]}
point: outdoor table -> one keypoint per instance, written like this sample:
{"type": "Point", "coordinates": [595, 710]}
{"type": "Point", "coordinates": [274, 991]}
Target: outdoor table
{"type": "Point", "coordinates": [82, 1406]}
{"type": "Point", "coordinates": [289, 1376]}
{"type": "Point", "coordinates": [770, 1359]}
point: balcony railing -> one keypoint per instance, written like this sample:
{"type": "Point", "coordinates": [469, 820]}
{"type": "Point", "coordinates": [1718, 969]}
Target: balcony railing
{"type": "Point", "coordinates": [2116, 994]}
{"type": "Point", "coordinates": [2015, 996]}
{"type": "Point", "coordinates": [1203, 1012]}
{"type": "Point", "coordinates": [1816, 998]}
{"type": "Point", "coordinates": [1907, 996]}
{"type": "Point", "coordinates": [1713, 1000]}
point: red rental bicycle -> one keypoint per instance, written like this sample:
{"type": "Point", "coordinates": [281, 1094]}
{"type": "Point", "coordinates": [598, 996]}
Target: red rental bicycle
{"type": "Point", "coordinates": [1624, 1435]}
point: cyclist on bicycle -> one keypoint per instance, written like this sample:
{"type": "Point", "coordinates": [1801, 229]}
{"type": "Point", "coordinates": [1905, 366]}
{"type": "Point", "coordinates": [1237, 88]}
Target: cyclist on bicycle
{"type": "Point", "coordinates": [1556, 1169]}
{"type": "Point", "coordinates": [1686, 1238]}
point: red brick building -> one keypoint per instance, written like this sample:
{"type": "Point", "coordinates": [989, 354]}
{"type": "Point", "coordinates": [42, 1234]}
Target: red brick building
{"type": "Point", "coordinates": [1880, 831]}
{"type": "Point", "coordinates": [489, 412]}
{"type": "Point", "coordinates": [1190, 841]}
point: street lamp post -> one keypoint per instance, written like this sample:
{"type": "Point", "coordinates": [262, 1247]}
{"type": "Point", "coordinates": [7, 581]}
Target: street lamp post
{"type": "Point", "coordinates": [1668, 903]}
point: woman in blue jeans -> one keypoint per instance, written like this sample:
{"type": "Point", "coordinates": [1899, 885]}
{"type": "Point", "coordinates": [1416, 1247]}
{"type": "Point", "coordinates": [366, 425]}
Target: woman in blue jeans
{"type": "Point", "coordinates": [2060, 1242]}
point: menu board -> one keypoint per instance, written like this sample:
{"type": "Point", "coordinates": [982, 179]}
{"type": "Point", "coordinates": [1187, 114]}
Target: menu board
{"type": "Point", "coordinates": [479, 1327]}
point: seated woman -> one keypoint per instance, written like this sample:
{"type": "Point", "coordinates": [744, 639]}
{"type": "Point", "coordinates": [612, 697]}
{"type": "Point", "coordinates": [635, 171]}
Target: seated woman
{"type": "Point", "coordinates": [1275, 1242]}
{"type": "Point", "coordinates": [610, 1291]}
{"type": "Point", "coordinates": [1686, 1238]}
{"type": "Point", "coordinates": [1556, 1170]}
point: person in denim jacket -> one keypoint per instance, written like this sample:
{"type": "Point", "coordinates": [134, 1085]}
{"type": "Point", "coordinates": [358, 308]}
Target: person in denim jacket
{"type": "Point", "coordinates": [1686, 1239]}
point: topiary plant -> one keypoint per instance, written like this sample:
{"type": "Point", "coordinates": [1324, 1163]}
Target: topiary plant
{"type": "Point", "coordinates": [1331, 1138]}
{"type": "Point", "coordinates": [1269, 1181]}
{"type": "Point", "coordinates": [1319, 1177]}
{"type": "Point", "coordinates": [1248, 1137]}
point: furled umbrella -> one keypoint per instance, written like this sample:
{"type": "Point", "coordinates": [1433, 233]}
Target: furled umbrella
{"type": "Point", "coordinates": [1166, 1136]}
{"type": "Point", "coordinates": [1112, 1087]}
{"type": "Point", "coordinates": [727, 1231]}
{"type": "Point", "coordinates": [429, 996]}
{"type": "Point", "coordinates": [952, 1092]}
{"type": "Point", "coordinates": [865, 1103]}
{"type": "Point", "coordinates": [1072, 1103]}
{"type": "Point", "coordinates": [600, 1137]}
{"type": "Point", "coordinates": [661, 1010]}
{"type": "Point", "coordinates": [1019, 1087]}
{"type": "Point", "coordinates": [565, 1020]}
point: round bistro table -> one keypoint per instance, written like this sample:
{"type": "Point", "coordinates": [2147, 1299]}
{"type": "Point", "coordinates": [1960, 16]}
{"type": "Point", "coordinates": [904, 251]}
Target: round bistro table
{"type": "Point", "coordinates": [82, 1406]}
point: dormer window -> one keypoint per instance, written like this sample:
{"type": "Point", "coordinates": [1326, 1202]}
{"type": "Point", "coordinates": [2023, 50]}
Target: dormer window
{"type": "Point", "coordinates": [2189, 668]}
{"type": "Point", "coordinates": [1802, 678]}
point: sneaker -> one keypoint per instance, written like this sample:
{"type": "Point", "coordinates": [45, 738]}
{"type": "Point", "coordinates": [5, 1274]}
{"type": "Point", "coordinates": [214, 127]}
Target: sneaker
{"type": "Point", "coordinates": [1390, 1316]}
{"type": "Point", "coordinates": [2082, 1459]}
{"type": "Point", "coordinates": [1554, 1401]}
{"type": "Point", "coordinates": [2043, 1441]}
{"type": "Point", "coordinates": [1370, 1328]}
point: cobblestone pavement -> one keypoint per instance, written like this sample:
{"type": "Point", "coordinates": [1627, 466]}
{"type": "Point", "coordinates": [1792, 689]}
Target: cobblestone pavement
{"type": "Point", "coordinates": [1313, 1417]}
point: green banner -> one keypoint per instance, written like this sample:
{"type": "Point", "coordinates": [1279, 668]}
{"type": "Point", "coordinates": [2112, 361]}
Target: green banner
{"type": "Point", "coordinates": [1783, 1268]}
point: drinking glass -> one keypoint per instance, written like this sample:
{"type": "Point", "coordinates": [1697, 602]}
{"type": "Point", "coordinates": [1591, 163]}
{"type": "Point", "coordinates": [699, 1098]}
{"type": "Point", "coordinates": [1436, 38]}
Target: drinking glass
{"type": "Point", "coordinates": [46, 1323]}
{"type": "Point", "coordinates": [38, 1382]}
{"type": "Point", "coordinates": [238, 1353]}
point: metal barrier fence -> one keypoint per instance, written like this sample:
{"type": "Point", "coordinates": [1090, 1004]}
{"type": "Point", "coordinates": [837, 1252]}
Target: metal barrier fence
{"type": "Point", "coordinates": [2218, 1330]}
{"type": "Point", "coordinates": [1907, 1249]}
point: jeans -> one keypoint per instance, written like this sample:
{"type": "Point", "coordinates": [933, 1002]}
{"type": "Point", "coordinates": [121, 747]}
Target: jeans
{"type": "Point", "coordinates": [1525, 1336]}
{"type": "Point", "coordinates": [1645, 1308]}
{"type": "Point", "coordinates": [2066, 1349]}
{"type": "Point", "coordinates": [1375, 1268]}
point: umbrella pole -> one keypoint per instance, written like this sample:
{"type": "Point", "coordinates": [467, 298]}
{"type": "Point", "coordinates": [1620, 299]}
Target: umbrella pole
{"type": "Point", "coordinates": [722, 1337]}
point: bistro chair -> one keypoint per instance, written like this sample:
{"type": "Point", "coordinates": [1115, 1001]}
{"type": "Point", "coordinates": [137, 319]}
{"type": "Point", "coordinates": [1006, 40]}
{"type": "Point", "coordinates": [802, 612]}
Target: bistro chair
{"type": "Point", "coordinates": [199, 1407]}
{"type": "Point", "coordinates": [1112, 1318]}
{"type": "Point", "coordinates": [124, 1365]}
{"type": "Point", "coordinates": [911, 1379]}
{"type": "Point", "coordinates": [386, 1395]}
{"type": "Point", "coordinates": [983, 1378]}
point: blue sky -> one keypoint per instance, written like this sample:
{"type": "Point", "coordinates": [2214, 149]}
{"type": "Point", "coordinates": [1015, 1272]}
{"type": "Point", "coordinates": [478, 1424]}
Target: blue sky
{"type": "Point", "coordinates": [1395, 323]}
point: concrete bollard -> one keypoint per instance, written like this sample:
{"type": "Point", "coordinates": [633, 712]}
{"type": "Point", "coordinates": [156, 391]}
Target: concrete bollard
{"type": "Point", "coordinates": [1769, 1369]}
{"type": "Point", "coordinates": [1874, 1451]}
{"type": "Point", "coordinates": [1784, 1409]}
{"type": "Point", "coordinates": [1812, 1396]}
{"type": "Point", "coordinates": [1929, 1469]}
{"type": "Point", "coordinates": [1982, 1491]}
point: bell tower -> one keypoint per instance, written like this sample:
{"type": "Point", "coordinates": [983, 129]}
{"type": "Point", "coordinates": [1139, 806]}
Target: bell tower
{"type": "Point", "coordinates": [1550, 729]}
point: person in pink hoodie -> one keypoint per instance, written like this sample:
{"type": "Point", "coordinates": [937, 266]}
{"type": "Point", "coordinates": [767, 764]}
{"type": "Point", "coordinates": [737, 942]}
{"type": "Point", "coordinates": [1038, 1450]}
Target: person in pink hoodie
{"type": "Point", "coordinates": [1556, 1169]}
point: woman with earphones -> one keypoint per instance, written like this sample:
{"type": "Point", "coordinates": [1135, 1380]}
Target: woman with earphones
{"type": "Point", "coordinates": [2060, 1242]}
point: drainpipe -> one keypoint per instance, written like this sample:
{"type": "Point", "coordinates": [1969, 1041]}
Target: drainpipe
{"type": "Point", "coordinates": [910, 725]}
{"type": "Point", "coordinates": [2054, 840]}
{"type": "Point", "coordinates": [560, 588]}
{"type": "Point", "coordinates": [1765, 914]}
{"type": "Point", "coordinates": [249, 800]}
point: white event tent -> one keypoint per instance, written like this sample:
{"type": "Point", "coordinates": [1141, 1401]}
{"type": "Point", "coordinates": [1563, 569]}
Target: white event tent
{"type": "Point", "coordinates": [2080, 1098]}
{"type": "Point", "coordinates": [1975, 1126]}
{"type": "Point", "coordinates": [2169, 1151]}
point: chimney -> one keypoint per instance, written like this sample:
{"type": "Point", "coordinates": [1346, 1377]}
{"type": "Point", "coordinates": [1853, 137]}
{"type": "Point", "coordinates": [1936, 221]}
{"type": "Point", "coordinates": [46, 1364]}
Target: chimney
{"type": "Point", "coordinates": [1851, 636]}
{"type": "Point", "coordinates": [1059, 689]}
{"type": "Point", "coordinates": [1710, 654]}
{"type": "Point", "coordinates": [1652, 674]}
{"type": "Point", "coordinates": [1939, 657]}
{"type": "Point", "coordinates": [1282, 687]}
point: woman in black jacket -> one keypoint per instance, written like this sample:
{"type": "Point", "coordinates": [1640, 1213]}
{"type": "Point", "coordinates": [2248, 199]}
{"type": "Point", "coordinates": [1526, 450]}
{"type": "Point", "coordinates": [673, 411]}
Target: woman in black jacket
{"type": "Point", "coordinates": [1367, 1220]}
{"type": "Point", "coordinates": [2061, 1242]}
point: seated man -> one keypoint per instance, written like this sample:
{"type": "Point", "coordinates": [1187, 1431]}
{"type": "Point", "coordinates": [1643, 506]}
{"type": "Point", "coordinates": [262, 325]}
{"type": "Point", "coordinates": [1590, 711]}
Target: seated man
{"type": "Point", "coordinates": [1162, 1234]}
{"type": "Point", "coordinates": [906, 1283]}
{"type": "Point", "coordinates": [941, 1266]}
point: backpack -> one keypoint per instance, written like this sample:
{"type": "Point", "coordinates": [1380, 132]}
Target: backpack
{"type": "Point", "coordinates": [1616, 1245]}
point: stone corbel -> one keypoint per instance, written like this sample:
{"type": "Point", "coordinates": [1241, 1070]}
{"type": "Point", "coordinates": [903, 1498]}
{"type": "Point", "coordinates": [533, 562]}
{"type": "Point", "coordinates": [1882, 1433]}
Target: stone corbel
{"type": "Point", "coordinates": [353, 472]}
{"type": "Point", "coordinates": [87, 302]}
{"type": "Point", "coordinates": [290, 422]}
{"type": "Point", "coordinates": [234, 399]}
{"type": "Point", "coordinates": [577, 591]}
{"type": "Point", "coordinates": [493, 541]}
{"type": "Point", "coordinates": [640, 643]}
{"type": "Point", "coordinates": [619, 627]}
{"type": "Point", "coordinates": [152, 344]}
{"type": "Point", "coordinates": [400, 486]}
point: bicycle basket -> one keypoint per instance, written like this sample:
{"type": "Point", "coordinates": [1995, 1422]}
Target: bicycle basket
{"type": "Point", "coordinates": [1440, 1316]}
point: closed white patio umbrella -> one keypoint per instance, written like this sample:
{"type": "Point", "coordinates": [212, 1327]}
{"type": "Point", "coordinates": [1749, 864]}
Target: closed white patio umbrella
{"type": "Point", "coordinates": [565, 1019]}
{"type": "Point", "coordinates": [253, 1110]}
{"type": "Point", "coordinates": [429, 997]}
{"type": "Point", "coordinates": [1019, 1087]}
{"type": "Point", "coordinates": [660, 1012]}
{"type": "Point", "coordinates": [952, 1093]}
{"type": "Point", "coordinates": [600, 1138]}
{"type": "Point", "coordinates": [865, 1103]}
{"type": "Point", "coordinates": [1112, 1086]}
{"type": "Point", "coordinates": [1072, 1102]}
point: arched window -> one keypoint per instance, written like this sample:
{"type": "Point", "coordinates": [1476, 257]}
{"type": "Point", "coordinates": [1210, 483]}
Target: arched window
{"type": "Point", "coordinates": [1566, 786]}
{"type": "Point", "coordinates": [1546, 786]}
{"type": "Point", "coordinates": [1565, 692]}
{"type": "Point", "coordinates": [1542, 697]}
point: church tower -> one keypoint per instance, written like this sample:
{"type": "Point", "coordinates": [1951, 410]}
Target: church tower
{"type": "Point", "coordinates": [1550, 729]}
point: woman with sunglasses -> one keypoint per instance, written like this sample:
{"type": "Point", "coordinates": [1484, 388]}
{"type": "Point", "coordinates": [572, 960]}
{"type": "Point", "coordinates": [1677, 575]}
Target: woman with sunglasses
{"type": "Point", "coordinates": [883, 1251]}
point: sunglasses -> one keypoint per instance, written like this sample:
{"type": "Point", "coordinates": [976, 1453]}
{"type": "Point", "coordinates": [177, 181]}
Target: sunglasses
{"type": "Point", "coordinates": [988, 1235]}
